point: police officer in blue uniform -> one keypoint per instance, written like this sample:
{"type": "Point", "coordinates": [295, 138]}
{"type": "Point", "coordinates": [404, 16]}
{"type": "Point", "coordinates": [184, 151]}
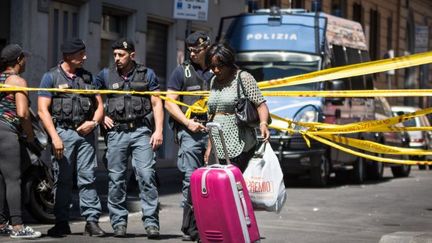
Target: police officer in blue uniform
{"type": "Point", "coordinates": [191, 75]}
{"type": "Point", "coordinates": [134, 126]}
{"type": "Point", "coordinates": [70, 120]}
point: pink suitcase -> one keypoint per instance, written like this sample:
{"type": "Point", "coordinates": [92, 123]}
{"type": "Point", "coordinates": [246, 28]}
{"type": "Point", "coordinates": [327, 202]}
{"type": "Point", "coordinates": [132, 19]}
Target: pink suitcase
{"type": "Point", "coordinates": [221, 202]}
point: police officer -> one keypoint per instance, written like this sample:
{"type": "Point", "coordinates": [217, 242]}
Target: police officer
{"type": "Point", "coordinates": [134, 124]}
{"type": "Point", "coordinates": [191, 75]}
{"type": "Point", "coordinates": [70, 120]}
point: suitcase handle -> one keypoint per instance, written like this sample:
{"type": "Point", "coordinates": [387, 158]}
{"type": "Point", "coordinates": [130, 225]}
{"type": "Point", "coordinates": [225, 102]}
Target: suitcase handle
{"type": "Point", "coordinates": [218, 127]}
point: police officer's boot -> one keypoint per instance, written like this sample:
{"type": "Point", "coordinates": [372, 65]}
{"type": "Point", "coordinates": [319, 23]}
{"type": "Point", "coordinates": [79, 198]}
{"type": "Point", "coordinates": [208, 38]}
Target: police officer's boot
{"type": "Point", "coordinates": [93, 229]}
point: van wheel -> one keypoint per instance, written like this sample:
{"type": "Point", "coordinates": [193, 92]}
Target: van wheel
{"type": "Point", "coordinates": [419, 158]}
{"type": "Point", "coordinates": [359, 171]}
{"type": "Point", "coordinates": [375, 169]}
{"type": "Point", "coordinates": [320, 175]}
{"type": "Point", "coordinates": [401, 171]}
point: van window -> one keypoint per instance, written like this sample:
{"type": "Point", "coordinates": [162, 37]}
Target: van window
{"type": "Point", "coordinates": [265, 66]}
{"type": "Point", "coordinates": [354, 56]}
{"type": "Point", "coordinates": [339, 58]}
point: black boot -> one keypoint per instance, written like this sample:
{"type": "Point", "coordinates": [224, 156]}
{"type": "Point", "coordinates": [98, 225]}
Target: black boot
{"type": "Point", "coordinates": [59, 230]}
{"type": "Point", "coordinates": [93, 229]}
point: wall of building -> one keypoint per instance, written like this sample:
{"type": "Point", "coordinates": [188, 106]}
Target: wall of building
{"type": "Point", "coordinates": [404, 14]}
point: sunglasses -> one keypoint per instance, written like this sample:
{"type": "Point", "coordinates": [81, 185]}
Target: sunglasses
{"type": "Point", "coordinates": [197, 49]}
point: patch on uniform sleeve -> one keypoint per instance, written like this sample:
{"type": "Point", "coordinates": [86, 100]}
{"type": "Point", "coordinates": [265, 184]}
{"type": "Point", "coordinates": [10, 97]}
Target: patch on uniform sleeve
{"type": "Point", "coordinates": [63, 86]}
{"type": "Point", "coordinates": [116, 85]}
{"type": "Point", "coordinates": [195, 87]}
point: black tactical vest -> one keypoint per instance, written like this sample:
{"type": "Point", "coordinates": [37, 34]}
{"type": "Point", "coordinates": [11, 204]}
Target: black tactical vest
{"type": "Point", "coordinates": [192, 82]}
{"type": "Point", "coordinates": [69, 108]}
{"type": "Point", "coordinates": [126, 107]}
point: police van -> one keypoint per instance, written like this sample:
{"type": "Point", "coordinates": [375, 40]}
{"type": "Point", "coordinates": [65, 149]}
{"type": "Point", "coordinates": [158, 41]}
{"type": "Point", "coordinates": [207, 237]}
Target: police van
{"type": "Point", "coordinates": [276, 43]}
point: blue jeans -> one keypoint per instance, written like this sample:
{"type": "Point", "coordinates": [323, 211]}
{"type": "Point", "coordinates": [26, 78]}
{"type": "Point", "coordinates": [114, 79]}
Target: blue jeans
{"type": "Point", "coordinates": [120, 146]}
{"type": "Point", "coordinates": [79, 151]}
{"type": "Point", "coordinates": [190, 155]}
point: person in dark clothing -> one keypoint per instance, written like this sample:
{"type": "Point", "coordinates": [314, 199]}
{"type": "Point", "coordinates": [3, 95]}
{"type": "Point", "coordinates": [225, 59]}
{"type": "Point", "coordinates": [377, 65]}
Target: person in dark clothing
{"type": "Point", "coordinates": [70, 120]}
{"type": "Point", "coordinates": [134, 125]}
{"type": "Point", "coordinates": [192, 75]}
{"type": "Point", "coordinates": [14, 122]}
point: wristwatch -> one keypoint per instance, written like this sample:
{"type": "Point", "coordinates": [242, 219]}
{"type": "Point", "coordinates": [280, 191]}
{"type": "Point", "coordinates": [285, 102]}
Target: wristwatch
{"type": "Point", "coordinates": [95, 123]}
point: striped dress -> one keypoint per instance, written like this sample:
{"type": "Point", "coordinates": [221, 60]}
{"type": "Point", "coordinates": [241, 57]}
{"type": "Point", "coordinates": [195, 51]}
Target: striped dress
{"type": "Point", "coordinates": [8, 112]}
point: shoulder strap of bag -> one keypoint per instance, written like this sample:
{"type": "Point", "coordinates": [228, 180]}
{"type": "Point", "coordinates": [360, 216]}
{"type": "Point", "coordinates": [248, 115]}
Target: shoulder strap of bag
{"type": "Point", "coordinates": [240, 83]}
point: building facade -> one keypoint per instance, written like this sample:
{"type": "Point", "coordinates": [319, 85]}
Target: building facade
{"type": "Point", "coordinates": [393, 28]}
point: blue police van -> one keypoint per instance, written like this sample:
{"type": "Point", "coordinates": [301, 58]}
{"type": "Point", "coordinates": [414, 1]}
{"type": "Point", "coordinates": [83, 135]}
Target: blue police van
{"type": "Point", "coordinates": [276, 43]}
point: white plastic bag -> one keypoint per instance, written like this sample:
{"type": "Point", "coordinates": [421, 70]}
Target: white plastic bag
{"type": "Point", "coordinates": [264, 180]}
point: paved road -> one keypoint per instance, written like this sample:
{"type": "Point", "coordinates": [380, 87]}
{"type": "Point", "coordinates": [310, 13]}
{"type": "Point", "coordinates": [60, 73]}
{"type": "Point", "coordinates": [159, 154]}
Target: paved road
{"type": "Point", "coordinates": [339, 213]}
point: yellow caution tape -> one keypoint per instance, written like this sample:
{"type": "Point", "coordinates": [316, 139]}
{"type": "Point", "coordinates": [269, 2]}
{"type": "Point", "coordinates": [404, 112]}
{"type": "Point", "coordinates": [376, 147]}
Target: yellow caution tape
{"type": "Point", "coordinates": [368, 156]}
{"type": "Point", "coordinates": [199, 107]}
{"type": "Point", "coordinates": [351, 70]}
{"type": "Point", "coordinates": [375, 147]}
{"type": "Point", "coordinates": [351, 93]}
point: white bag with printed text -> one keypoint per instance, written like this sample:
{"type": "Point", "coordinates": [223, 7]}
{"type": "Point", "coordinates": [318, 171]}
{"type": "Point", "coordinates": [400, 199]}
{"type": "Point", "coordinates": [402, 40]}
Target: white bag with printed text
{"type": "Point", "coordinates": [264, 180]}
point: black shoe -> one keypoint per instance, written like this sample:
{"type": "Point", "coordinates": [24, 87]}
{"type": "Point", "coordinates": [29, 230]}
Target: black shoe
{"type": "Point", "coordinates": [120, 231]}
{"type": "Point", "coordinates": [93, 229]}
{"type": "Point", "coordinates": [152, 232]}
{"type": "Point", "coordinates": [59, 230]}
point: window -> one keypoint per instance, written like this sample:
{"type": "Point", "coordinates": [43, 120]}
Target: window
{"type": "Point", "coordinates": [358, 13]}
{"type": "Point", "coordinates": [157, 35]}
{"type": "Point", "coordinates": [63, 24]}
{"type": "Point", "coordinates": [389, 33]}
{"type": "Point", "coordinates": [297, 4]}
{"type": "Point", "coordinates": [4, 23]}
{"type": "Point", "coordinates": [354, 56]}
{"type": "Point", "coordinates": [114, 26]}
{"type": "Point", "coordinates": [339, 58]}
{"type": "Point", "coordinates": [374, 40]}
{"type": "Point", "coordinates": [270, 3]}
{"type": "Point", "coordinates": [368, 78]}
{"type": "Point", "coordinates": [338, 8]}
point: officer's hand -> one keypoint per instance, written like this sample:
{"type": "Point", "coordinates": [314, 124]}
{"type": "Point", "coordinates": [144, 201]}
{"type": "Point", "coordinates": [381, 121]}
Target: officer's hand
{"type": "Point", "coordinates": [195, 126]}
{"type": "Point", "coordinates": [58, 147]}
{"type": "Point", "coordinates": [86, 128]}
{"type": "Point", "coordinates": [156, 140]}
{"type": "Point", "coordinates": [108, 123]}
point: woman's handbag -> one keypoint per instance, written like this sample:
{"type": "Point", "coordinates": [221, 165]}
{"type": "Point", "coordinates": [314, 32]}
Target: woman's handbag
{"type": "Point", "coordinates": [245, 111]}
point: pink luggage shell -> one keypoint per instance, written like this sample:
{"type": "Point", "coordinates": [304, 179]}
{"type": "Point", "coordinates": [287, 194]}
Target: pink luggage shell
{"type": "Point", "coordinates": [219, 212]}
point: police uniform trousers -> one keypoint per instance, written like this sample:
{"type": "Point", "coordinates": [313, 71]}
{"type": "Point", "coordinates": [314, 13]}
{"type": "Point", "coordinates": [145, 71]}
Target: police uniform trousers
{"type": "Point", "coordinates": [190, 155]}
{"type": "Point", "coordinates": [120, 146]}
{"type": "Point", "coordinates": [80, 154]}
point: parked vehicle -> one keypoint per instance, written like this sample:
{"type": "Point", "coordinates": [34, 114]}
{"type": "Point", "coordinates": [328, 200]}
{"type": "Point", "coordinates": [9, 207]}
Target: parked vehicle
{"type": "Point", "coordinates": [281, 43]}
{"type": "Point", "coordinates": [418, 139]}
{"type": "Point", "coordinates": [37, 178]}
{"type": "Point", "coordinates": [375, 169]}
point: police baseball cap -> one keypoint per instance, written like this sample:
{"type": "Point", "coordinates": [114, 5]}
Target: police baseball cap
{"type": "Point", "coordinates": [11, 52]}
{"type": "Point", "coordinates": [124, 44]}
{"type": "Point", "coordinates": [72, 45]}
{"type": "Point", "coordinates": [198, 38]}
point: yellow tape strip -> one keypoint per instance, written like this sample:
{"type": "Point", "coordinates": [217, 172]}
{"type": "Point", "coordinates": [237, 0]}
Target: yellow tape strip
{"type": "Point", "coordinates": [367, 156]}
{"type": "Point", "coordinates": [375, 147]}
{"type": "Point", "coordinates": [351, 93]}
{"type": "Point", "coordinates": [351, 70]}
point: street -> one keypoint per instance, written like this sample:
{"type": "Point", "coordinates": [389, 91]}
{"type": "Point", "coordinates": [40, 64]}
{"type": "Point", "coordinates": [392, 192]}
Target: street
{"type": "Point", "coordinates": [338, 213]}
